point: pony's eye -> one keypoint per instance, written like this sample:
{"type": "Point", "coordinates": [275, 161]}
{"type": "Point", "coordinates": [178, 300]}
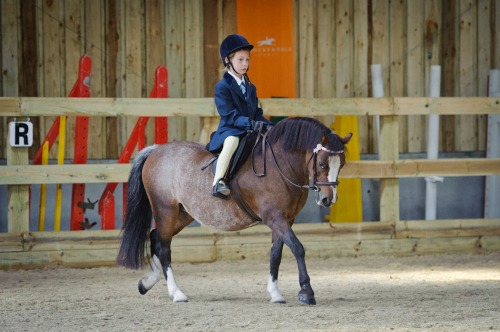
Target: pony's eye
{"type": "Point", "coordinates": [322, 165]}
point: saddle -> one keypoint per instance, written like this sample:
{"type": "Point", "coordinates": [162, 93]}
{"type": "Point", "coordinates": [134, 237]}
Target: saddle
{"type": "Point", "coordinates": [245, 147]}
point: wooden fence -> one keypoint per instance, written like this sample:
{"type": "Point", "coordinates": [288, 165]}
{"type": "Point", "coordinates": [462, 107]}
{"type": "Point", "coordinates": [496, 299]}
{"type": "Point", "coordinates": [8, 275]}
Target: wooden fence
{"type": "Point", "coordinates": [22, 248]}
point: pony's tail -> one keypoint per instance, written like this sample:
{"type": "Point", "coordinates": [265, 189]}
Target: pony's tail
{"type": "Point", "coordinates": [137, 217]}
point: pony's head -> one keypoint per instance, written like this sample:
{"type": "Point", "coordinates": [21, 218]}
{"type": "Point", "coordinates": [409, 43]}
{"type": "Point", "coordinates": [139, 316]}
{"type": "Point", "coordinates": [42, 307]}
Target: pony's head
{"type": "Point", "coordinates": [325, 151]}
{"type": "Point", "coordinates": [327, 160]}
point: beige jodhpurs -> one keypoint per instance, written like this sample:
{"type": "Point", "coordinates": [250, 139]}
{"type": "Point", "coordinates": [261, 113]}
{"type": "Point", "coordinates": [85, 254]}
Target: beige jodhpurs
{"type": "Point", "coordinates": [228, 149]}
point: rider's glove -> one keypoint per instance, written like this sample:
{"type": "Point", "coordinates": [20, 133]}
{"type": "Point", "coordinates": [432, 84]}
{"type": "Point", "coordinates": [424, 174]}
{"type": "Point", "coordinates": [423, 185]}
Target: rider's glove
{"type": "Point", "coordinates": [257, 125]}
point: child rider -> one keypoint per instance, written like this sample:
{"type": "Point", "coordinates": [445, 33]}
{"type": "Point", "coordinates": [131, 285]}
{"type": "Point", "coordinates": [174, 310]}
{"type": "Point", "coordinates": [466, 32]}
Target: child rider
{"type": "Point", "coordinates": [237, 104]}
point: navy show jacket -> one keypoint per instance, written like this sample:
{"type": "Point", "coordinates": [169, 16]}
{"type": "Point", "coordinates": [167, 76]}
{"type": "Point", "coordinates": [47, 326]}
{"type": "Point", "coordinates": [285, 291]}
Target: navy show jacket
{"type": "Point", "coordinates": [235, 111]}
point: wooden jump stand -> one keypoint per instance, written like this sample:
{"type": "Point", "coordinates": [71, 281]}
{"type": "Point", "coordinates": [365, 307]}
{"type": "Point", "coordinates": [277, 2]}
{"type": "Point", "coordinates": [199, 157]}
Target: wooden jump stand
{"type": "Point", "coordinates": [137, 138]}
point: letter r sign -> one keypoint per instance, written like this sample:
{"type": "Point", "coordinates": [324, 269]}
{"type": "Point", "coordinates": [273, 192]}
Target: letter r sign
{"type": "Point", "coordinates": [21, 134]}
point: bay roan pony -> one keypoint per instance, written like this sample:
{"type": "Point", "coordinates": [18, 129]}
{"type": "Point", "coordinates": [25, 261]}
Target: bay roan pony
{"type": "Point", "coordinates": [167, 183]}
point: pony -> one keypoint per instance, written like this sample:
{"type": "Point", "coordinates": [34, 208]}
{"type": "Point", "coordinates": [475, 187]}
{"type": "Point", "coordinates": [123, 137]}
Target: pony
{"type": "Point", "coordinates": [169, 183]}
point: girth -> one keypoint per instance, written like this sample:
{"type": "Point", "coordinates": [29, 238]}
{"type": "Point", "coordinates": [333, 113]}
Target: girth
{"type": "Point", "coordinates": [236, 193]}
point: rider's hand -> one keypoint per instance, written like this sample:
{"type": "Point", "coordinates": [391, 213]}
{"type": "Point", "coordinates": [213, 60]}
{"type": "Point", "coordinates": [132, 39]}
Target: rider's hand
{"type": "Point", "coordinates": [257, 125]}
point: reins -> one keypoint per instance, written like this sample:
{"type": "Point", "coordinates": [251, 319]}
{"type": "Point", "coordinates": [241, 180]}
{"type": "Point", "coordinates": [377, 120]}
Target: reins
{"type": "Point", "coordinates": [314, 156]}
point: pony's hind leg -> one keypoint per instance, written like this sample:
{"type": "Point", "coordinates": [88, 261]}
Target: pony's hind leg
{"type": "Point", "coordinates": [175, 218]}
{"type": "Point", "coordinates": [155, 275]}
{"type": "Point", "coordinates": [160, 252]}
{"type": "Point", "coordinates": [173, 291]}
{"type": "Point", "coordinates": [156, 271]}
{"type": "Point", "coordinates": [275, 261]}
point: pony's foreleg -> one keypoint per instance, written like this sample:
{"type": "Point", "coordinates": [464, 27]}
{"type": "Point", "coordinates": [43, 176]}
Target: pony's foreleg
{"type": "Point", "coordinates": [306, 293]}
{"type": "Point", "coordinates": [275, 261]}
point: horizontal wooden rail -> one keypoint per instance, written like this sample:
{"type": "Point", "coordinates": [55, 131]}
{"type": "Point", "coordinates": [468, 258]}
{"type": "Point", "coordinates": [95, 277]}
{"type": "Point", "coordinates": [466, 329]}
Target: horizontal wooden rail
{"type": "Point", "coordinates": [421, 168]}
{"type": "Point", "coordinates": [104, 173]}
{"type": "Point", "coordinates": [201, 244]}
{"type": "Point", "coordinates": [47, 174]}
{"type": "Point", "coordinates": [34, 106]}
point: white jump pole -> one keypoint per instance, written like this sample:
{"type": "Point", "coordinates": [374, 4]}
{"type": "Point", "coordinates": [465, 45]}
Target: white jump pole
{"type": "Point", "coordinates": [492, 184]}
{"type": "Point", "coordinates": [378, 92]}
{"type": "Point", "coordinates": [433, 146]}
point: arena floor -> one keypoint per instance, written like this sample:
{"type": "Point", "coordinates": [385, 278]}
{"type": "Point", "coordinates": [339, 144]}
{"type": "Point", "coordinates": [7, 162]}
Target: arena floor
{"type": "Point", "coordinates": [421, 293]}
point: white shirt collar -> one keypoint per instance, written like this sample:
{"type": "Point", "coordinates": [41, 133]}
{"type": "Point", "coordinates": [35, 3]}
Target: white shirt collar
{"type": "Point", "coordinates": [238, 80]}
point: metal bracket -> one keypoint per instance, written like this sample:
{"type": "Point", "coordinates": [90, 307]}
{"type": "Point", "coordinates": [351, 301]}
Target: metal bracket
{"type": "Point", "coordinates": [87, 205]}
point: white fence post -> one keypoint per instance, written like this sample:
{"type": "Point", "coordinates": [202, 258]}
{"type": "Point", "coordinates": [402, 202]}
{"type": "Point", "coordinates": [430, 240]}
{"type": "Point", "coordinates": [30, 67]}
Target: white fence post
{"type": "Point", "coordinates": [492, 183]}
{"type": "Point", "coordinates": [433, 147]}
{"type": "Point", "coordinates": [378, 92]}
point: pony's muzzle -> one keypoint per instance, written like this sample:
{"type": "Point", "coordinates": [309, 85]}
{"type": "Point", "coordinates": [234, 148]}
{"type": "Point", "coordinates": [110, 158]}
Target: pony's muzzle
{"type": "Point", "coordinates": [326, 200]}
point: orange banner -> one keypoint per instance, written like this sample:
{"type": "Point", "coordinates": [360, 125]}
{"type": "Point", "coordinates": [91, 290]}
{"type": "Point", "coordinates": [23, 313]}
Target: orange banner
{"type": "Point", "coordinates": [268, 25]}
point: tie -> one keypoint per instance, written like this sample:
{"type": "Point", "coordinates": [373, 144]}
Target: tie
{"type": "Point", "coordinates": [243, 88]}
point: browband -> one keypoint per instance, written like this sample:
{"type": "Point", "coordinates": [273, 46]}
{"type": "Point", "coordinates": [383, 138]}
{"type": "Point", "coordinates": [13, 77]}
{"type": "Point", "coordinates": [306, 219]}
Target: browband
{"type": "Point", "coordinates": [321, 147]}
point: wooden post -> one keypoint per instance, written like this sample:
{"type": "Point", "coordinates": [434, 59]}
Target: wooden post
{"type": "Point", "coordinates": [389, 188]}
{"type": "Point", "coordinates": [18, 216]}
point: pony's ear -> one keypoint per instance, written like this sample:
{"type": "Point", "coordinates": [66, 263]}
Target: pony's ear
{"type": "Point", "coordinates": [347, 138]}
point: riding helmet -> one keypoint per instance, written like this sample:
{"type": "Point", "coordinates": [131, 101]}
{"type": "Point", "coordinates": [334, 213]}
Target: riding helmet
{"type": "Point", "coordinates": [231, 44]}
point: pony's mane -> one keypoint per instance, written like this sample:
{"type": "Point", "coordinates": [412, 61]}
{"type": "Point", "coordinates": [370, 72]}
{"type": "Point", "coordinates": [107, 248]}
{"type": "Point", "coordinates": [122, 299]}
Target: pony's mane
{"type": "Point", "coordinates": [303, 133]}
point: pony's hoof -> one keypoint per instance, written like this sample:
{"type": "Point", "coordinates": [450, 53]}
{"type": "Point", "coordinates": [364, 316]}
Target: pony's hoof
{"type": "Point", "coordinates": [278, 299]}
{"type": "Point", "coordinates": [307, 299]}
{"type": "Point", "coordinates": [143, 290]}
{"type": "Point", "coordinates": [180, 297]}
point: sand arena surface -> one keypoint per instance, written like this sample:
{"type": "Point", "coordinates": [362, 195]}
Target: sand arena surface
{"type": "Point", "coordinates": [426, 293]}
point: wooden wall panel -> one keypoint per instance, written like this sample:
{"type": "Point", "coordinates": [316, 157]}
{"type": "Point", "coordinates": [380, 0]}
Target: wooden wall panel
{"type": "Point", "coordinates": [126, 40]}
{"type": "Point", "coordinates": [193, 69]}
{"type": "Point", "coordinates": [449, 75]}
{"type": "Point", "coordinates": [29, 64]}
{"type": "Point", "coordinates": [397, 57]}
{"type": "Point", "coordinates": [94, 45]}
{"type": "Point", "coordinates": [380, 48]}
{"type": "Point", "coordinates": [52, 59]}
{"type": "Point", "coordinates": [361, 67]}
{"type": "Point", "coordinates": [11, 34]}
{"type": "Point", "coordinates": [484, 61]}
{"type": "Point", "coordinates": [73, 48]}
{"type": "Point", "coordinates": [307, 48]}
{"type": "Point", "coordinates": [111, 74]}
{"type": "Point", "coordinates": [415, 68]}
{"type": "Point", "coordinates": [174, 53]}
{"type": "Point", "coordinates": [211, 60]}
{"type": "Point", "coordinates": [327, 57]}
{"type": "Point", "coordinates": [10, 58]}
{"type": "Point", "coordinates": [495, 27]}
{"type": "Point", "coordinates": [155, 54]}
{"type": "Point", "coordinates": [133, 57]}
{"type": "Point", "coordinates": [466, 126]}
{"type": "Point", "coordinates": [344, 49]}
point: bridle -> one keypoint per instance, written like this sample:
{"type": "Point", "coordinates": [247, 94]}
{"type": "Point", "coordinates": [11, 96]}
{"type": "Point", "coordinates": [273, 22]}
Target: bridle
{"type": "Point", "coordinates": [314, 157]}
